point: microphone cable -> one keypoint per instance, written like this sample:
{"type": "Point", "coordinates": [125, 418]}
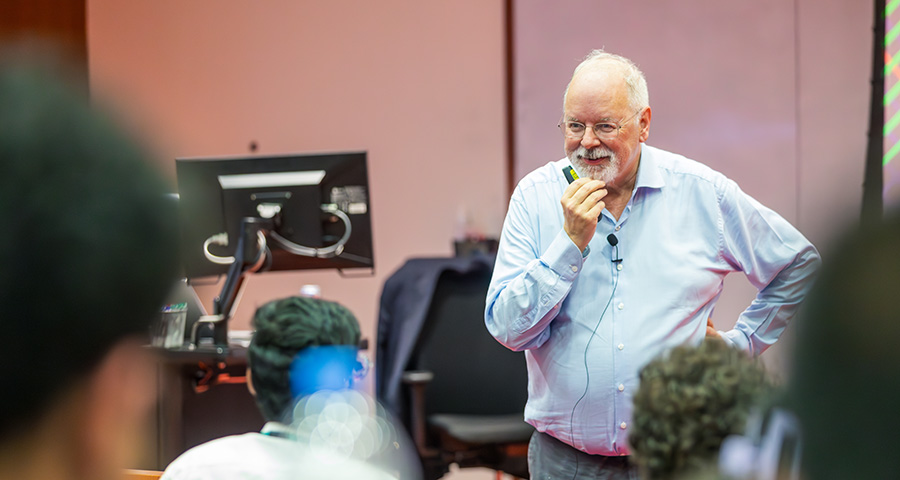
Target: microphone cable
{"type": "Point", "coordinates": [614, 243]}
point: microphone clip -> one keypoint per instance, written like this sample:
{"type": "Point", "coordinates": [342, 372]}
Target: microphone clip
{"type": "Point", "coordinates": [614, 242]}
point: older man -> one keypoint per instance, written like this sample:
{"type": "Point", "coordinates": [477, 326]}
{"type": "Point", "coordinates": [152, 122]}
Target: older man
{"type": "Point", "coordinates": [604, 266]}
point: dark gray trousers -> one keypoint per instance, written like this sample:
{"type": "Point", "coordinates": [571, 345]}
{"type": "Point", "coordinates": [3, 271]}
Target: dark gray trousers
{"type": "Point", "coordinates": [550, 459]}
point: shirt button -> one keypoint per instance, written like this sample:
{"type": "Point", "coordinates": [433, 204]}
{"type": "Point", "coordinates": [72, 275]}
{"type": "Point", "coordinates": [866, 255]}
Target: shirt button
{"type": "Point", "coordinates": [574, 268]}
{"type": "Point", "coordinates": [621, 306]}
{"type": "Point", "coordinates": [621, 346]}
{"type": "Point", "coordinates": [623, 425]}
{"type": "Point", "coordinates": [618, 227]}
{"type": "Point", "coordinates": [621, 387]}
{"type": "Point", "coordinates": [619, 267]}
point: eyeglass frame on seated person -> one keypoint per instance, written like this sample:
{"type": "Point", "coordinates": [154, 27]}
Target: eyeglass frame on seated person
{"type": "Point", "coordinates": [563, 126]}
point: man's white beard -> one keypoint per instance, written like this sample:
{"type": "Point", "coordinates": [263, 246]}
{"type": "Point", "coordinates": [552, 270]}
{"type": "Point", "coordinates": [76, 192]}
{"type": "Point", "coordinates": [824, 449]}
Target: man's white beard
{"type": "Point", "coordinates": [606, 173]}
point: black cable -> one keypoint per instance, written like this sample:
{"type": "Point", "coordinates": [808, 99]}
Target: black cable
{"type": "Point", "coordinates": [587, 372]}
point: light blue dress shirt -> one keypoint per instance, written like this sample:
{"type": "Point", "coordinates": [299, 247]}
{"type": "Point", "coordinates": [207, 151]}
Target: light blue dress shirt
{"type": "Point", "coordinates": [588, 324]}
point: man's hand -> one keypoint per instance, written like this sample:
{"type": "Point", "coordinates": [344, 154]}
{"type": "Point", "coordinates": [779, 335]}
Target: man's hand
{"type": "Point", "coordinates": [711, 329]}
{"type": "Point", "coordinates": [582, 203]}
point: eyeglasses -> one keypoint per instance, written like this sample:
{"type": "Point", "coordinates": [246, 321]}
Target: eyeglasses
{"type": "Point", "coordinates": [603, 130]}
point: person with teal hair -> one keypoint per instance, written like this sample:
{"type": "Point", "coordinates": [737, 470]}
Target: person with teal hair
{"type": "Point", "coordinates": [302, 348]}
{"type": "Point", "coordinates": [300, 345]}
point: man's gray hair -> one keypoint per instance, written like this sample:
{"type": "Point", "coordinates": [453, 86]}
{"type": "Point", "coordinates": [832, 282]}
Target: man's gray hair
{"type": "Point", "coordinates": [638, 96]}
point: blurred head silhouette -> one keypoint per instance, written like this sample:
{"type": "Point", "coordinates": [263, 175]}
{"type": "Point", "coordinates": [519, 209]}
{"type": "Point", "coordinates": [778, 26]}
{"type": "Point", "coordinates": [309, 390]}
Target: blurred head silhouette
{"type": "Point", "coordinates": [87, 254]}
{"type": "Point", "coordinates": [688, 401]}
{"type": "Point", "coordinates": [845, 385]}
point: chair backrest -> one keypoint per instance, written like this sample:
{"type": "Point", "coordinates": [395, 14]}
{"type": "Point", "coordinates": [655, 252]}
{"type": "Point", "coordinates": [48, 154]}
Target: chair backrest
{"type": "Point", "coordinates": [473, 373]}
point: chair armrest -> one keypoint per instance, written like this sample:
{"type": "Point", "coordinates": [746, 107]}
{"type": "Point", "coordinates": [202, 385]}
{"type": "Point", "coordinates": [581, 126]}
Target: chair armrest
{"type": "Point", "coordinates": [416, 377]}
{"type": "Point", "coordinates": [417, 380]}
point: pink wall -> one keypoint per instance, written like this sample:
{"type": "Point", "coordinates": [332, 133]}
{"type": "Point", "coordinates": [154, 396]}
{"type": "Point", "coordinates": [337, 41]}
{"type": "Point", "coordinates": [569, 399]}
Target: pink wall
{"type": "Point", "coordinates": [773, 93]}
{"type": "Point", "coordinates": [419, 85]}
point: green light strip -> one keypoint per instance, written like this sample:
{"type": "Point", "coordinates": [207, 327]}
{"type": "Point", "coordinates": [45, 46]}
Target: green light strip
{"type": "Point", "coordinates": [892, 93]}
{"type": "Point", "coordinates": [892, 123]}
{"type": "Point", "coordinates": [892, 35]}
{"type": "Point", "coordinates": [890, 66]}
{"type": "Point", "coordinates": [889, 9]}
{"type": "Point", "coordinates": [891, 153]}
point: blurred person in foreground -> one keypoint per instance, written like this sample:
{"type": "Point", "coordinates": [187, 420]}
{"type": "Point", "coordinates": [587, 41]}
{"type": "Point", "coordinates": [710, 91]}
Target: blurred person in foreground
{"type": "Point", "coordinates": [303, 356]}
{"type": "Point", "coordinates": [841, 418]}
{"type": "Point", "coordinates": [688, 401]}
{"type": "Point", "coordinates": [845, 380]}
{"type": "Point", "coordinates": [599, 272]}
{"type": "Point", "coordinates": [87, 255]}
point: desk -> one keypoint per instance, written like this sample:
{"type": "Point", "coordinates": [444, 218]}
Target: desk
{"type": "Point", "coordinates": [201, 395]}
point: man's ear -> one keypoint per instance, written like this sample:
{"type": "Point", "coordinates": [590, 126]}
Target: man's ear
{"type": "Point", "coordinates": [646, 115]}
{"type": "Point", "coordinates": [120, 393]}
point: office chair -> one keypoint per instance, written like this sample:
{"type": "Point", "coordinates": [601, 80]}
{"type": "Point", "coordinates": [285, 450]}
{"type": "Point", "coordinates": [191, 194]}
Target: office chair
{"type": "Point", "coordinates": [466, 392]}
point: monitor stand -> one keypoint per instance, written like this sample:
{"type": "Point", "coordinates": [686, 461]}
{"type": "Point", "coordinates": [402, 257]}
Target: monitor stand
{"type": "Point", "coordinates": [249, 257]}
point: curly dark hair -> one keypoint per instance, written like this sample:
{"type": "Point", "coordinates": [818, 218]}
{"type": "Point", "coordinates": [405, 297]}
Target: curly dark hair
{"type": "Point", "coordinates": [283, 328]}
{"type": "Point", "coordinates": [688, 401]}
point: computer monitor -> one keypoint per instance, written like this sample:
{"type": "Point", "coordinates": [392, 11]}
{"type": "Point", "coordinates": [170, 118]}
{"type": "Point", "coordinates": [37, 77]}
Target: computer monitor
{"type": "Point", "coordinates": [243, 214]}
{"type": "Point", "coordinates": [315, 201]}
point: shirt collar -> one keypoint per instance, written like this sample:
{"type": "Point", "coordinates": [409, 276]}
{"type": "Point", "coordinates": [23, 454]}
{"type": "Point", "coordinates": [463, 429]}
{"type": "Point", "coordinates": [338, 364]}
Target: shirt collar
{"type": "Point", "coordinates": [276, 429]}
{"type": "Point", "coordinates": [648, 170]}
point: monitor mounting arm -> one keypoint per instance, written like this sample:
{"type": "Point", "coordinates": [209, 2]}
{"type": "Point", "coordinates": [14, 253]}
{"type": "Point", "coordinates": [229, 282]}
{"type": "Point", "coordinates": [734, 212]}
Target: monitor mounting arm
{"type": "Point", "coordinates": [249, 256]}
